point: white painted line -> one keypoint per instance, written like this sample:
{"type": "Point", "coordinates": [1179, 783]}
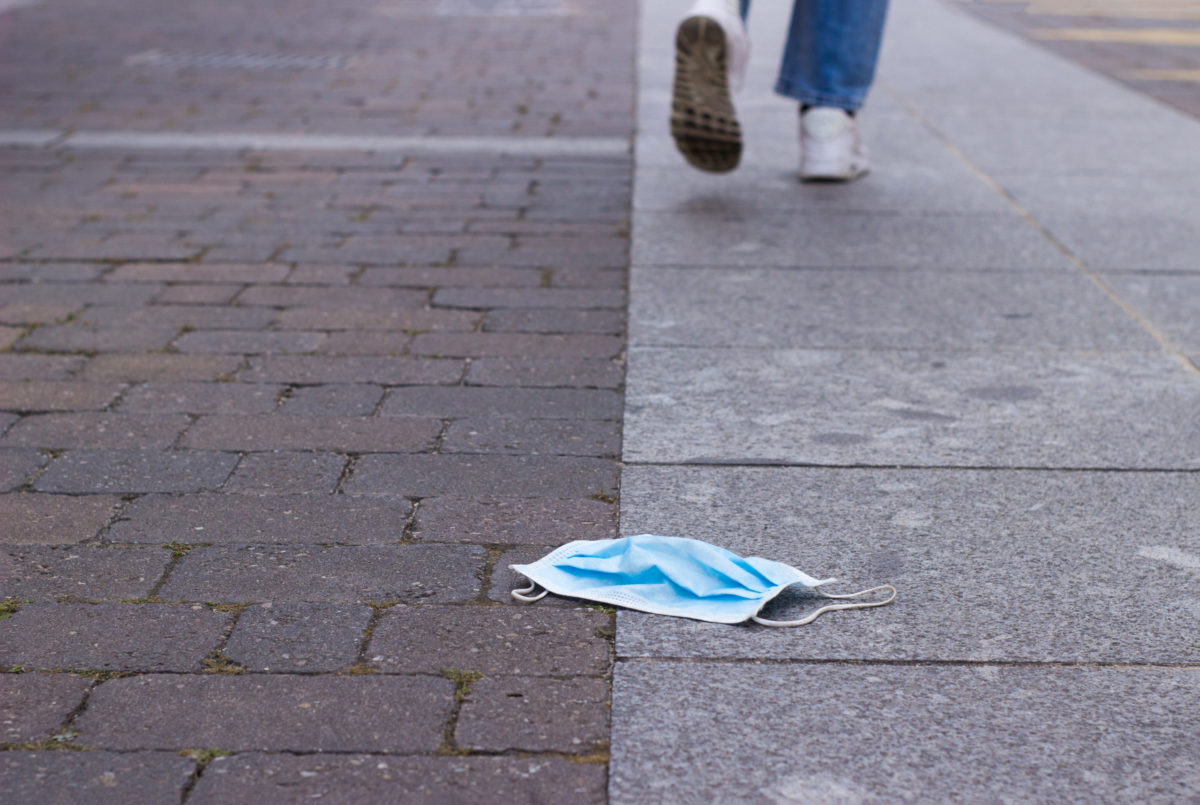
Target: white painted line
{"type": "Point", "coordinates": [231, 141]}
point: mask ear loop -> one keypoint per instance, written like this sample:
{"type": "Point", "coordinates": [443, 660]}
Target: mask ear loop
{"type": "Point", "coordinates": [831, 607]}
{"type": "Point", "coordinates": [523, 594]}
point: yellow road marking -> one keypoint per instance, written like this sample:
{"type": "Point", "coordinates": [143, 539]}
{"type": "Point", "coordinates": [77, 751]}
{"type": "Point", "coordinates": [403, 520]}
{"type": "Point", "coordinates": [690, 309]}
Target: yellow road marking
{"type": "Point", "coordinates": [1187, 37]}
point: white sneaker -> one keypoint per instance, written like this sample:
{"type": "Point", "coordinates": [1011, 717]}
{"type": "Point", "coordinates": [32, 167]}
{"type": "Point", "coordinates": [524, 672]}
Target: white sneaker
{"type": "Point", "coordinates": [830, 148]}
{"type": "Point", "coordinates": [711, 50]}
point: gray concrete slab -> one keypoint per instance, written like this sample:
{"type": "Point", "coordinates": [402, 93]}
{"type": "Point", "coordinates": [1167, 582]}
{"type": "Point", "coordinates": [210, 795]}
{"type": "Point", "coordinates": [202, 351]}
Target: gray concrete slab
{"type": "Point", "coordinates": [735, 237]}
{"type": "Point", "coordinates": [722, 732]}
{"type": "Point", "coordinates": [990, 566]}
{"type": "Point", "coordinates": [1170, 303]}
{"type": "Point", "coordinates": [876, 309]}
{"type": "Point", "coordinates": [924, 408]}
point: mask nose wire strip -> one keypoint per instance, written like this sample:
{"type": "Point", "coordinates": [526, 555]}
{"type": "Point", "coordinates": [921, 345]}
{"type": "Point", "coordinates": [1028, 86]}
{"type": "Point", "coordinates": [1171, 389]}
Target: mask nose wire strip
{"type": "Point", "coordinates": [831, 607]}
{"type": "Point", "coordinates": [523, 594]}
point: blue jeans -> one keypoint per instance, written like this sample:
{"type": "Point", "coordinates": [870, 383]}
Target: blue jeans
{"type": "Point", "coordinates": [831, 51]}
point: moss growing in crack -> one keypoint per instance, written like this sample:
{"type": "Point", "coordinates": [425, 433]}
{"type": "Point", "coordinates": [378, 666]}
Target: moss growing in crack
{"type": "Point", "coordinates": [58, 741]}
{"type": "Point", "coordinates": [606, 634]}
{"type": "Point", "coordinates": [604, 497]}
{"type": "Point", "coordinates": [10, 605]}
{"type": "Point", "coordinates": [203, 757]}
{"type": "Point", "coordinates": [178, 549]}
{"type": "Point", "coordinates": [359, 669]}
{"type": "Point", "coordinates": [605, 608]}
{"type": "Point", "coordinates": [218, 663]}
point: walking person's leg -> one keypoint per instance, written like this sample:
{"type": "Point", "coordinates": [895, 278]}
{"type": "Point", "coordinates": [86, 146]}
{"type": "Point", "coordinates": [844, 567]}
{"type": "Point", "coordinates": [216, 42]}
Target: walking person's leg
{"type": "Point", "coordinates": [828, 66]}
{"type": "Point", "coordinates": [711, 48]}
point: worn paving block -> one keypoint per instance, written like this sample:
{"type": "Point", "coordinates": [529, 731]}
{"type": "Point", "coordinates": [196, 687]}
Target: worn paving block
{"type": "Point", "coordinates": [403, 319]}
{"type": "Point", "coordinates": [551, 320]}
{"type": "Point", "coordinates": [27, 519]}
{"type": "Point", "coordinates": [286, 472]}
{"type": "Point", "coordinates": [547, 372]}
{"type": "Point", "coordinates": [92, 574]}
{"type": "Point", "coordinates": [510, 345]}
{"type": "Point", "coordinates": [97, 778]}
{"type": "Point", "coordinates": [251, 779]}
{"type": "Point", "coordinates": [451, 402]}
{"type": "Point", "coordinates": [492, 640]}
{"type": "Point", "coordinates": [989, 565]}
{"type": "Point", "coordinates": [382, 369]}
{"type": "Point", "coordinates": [196, 272]}
{"type": "Point", "coordinates": [57, 395]}
{"type": "Point", "coordinates": [326, 519]}
{"type": "Point", "coordinates": [530, 298]}
{"type": "Point", "coordinates": [535, 714]}
{"type": "Point", "coordinates": [298, 637]}
{"type": "Point", "coordinates": [185, 293]}
{"type": "Point", "coordinates": [551, 437]}
{"type": "Point", "coordinates": [133, 471]}
{"type": "Point", "coordinates": [100, 430]}
{"type": "Point", "coordinates": [741, 238]}
{"type": "Point", "coordinates": [268, 713]}
{"type": "Point", "coordinates": [854, 733]}
{"type": "Point", "coordinates": [843, 407]}
{"type": "Point", "coordinates": [873, 309]}
{"type": "Point", "coordinates": [425, 573]}
{"type": "Point", "coordinates": [17, 464]}
{"type": "Point", "coordinates": [33, 706]}
{"type": "Point", "coordinates": [513, 521]}
{"type": "Point", "coordinates": [75, 338]}
{"type": "Point", "coordinates": [14, 366]}
{"type": "Point", "coordinates": [483, 476]}
{"type": "Point", "coordinates": [111, 637]}
{"type": "Point", "coordinates": [160, 367]}
{"type": "Point", "coordinates": [257, 342]}
{"type": "Point", "coordinates": [181, 317]}
{"type": "Point", "coordinates": [335, 399]}
{"type": "Point", "coordinates": [200, 398]}
{"type": "Point", "coordinates": [350, 434]}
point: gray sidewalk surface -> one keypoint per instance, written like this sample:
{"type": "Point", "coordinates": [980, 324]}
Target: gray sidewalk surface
{"type": "Point", "coordinates": [972, 374]}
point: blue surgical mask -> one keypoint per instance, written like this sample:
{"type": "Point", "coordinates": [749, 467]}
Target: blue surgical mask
{"type": "Point", "coordinates": [675, 576]}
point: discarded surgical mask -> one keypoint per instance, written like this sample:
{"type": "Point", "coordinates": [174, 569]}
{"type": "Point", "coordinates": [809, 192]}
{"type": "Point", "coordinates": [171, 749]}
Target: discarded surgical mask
{"type": "Point", "coordinates": [675, 576]}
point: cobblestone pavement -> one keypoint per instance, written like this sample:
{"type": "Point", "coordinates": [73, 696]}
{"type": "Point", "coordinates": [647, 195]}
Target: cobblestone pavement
{"type": "Point", "coordinates": [274, 422]}
{"type": "Point", "coordinates": [1151, 45]}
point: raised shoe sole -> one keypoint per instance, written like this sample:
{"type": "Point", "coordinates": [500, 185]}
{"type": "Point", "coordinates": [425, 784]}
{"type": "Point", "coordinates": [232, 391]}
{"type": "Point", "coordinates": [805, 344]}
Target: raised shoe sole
{"type": "Point", "coordinates": [703, 121]}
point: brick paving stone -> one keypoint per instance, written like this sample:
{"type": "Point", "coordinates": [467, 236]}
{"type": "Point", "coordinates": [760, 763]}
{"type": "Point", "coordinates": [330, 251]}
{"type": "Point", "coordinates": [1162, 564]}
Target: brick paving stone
{"type": "Point", "coordinates": [334, 298]}
{"type": "Point", "coordinates": [64, 431]}
{"type": "Point", "coordinates": [287, 472]}
{"type": "Point", "coordinates": [199, 317]}
{"type": "Point", "coordinates": [532, 372]}
{"type": "Point", "coordinates": [355, 434]}
{"type": "Point", "coordinates": [36, 314]}
{"type": "Point", "coordinates": [197, 273]}
{"type": "Point", "coordinates": [513, 521]}
{"type": "Point", "coordinates": [10, 335]}
{"type": "Point", "coordinates": [185, 293]}
{"type": "Point", "coordinates": [81, 293]}
{"type": "Point", "coordinates": [378, 573]}
{"type": "Point", "coordinates": [405, 319]}
{"type": "Point", "coordinates": [298, 637]}
{"type": "Point", "coordinates": [163, 368]}
{"type": "Point", "coordinates": [322, 275]}
{"type": "Point", "coordinates": [486, 476]}
{"type": "Point", "coordinates": [95, 778]}
{"type": "Point", "coordinates": [492, 640]}
{"type": "Point", "coordinates": [508, 403]}
{"type": "Point", "coordinates": [18, 465]}
{"type": "Point", "coordinates": [268, 713]}
{"type": "Point", "coordinates": [135, 471]}
{"type": "Point", "coordinates": [473, 345]}
{"type": "Point", "coordinates": [366, 343]}
{"type": "Point", "coordinates": [534, 714]}
{"type": "Point", "coordinates": [72, 338]}
{"type": "Point", "coordinates": [111, 637]}
{"type": "Point", "coordinates": [57, 395]}
{"type": "Point", "coordinates": [192, 397]}
{"type": "Point", "coordinates": [264, 342]}
{"type": "Point", "coordinates": [6, 420]}
{"type": "Point", "coordinates": [385, 370]}
{"type": "Point", "coordinates": [583, 277]}
{"type": "Point", "coordinates": [85, 573]}
{"type": "Point", "coordinates": [325, 519]}
{"type": "Point", "coordinates": [52, 272]}
{"type": "Point", "coordinates": [547, 437]}
{"type": "Point", "coordinates": [253, 779]}
{"type": "Point", "coordinates": [452, 277]}
{"type": "Point", "coordinates": [551, 320]}
{"type": "Point", "coordinates": [504, 580]}
{"type": "Point", "coordinates": [527, 298]}
{"type": "Point", "coordinates": [33, 706]}
{"type": "Point", "coordinates": [337, 399]}
{"type": "Point", "coordinates": [27, 519]}
{"type": "Point", "coordinates": [38, 367]}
